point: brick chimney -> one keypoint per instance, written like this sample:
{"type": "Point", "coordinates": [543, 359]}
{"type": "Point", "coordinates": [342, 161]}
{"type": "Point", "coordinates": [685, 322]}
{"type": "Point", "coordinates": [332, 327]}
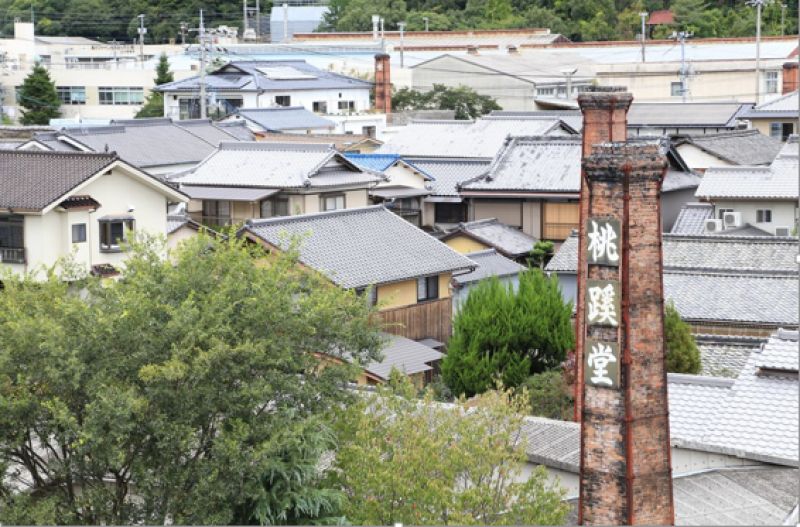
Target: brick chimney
{"type": "Point", "coordinates": [605, 113]}
{"type": "Point", "coordinates": [621, 379]}
{"type": "Point", "coordinates": [383, 83]}
{"type": "Point", "coordinates": [790, 78]}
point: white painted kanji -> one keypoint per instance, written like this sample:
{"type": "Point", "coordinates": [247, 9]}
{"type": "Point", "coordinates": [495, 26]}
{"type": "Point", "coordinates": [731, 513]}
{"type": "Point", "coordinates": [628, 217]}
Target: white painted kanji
{"type": "Point", "coordinates": [599, 358]}
{"type": "Point", "coordinates": [603, 243]}
{"type": "Point", "coordinates": [602, 305]}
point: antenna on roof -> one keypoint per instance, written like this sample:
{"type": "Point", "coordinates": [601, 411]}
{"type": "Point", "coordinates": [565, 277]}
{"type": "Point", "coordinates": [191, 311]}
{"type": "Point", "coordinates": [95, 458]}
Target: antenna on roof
{"type": "Point", "coordinates": [106, 148]}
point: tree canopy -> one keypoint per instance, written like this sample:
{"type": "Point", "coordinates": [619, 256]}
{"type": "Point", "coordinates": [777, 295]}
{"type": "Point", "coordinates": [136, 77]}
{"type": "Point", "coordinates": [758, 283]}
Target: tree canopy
{"type": "Point", "coordinates": [465, 101]}
{"type": "Point", "coordinates": [402, 460]}
{"type": "Point", "coordinates": [38, 97]}
{"type": "Point", "coordinates": [154, 105]}
{"type": "Point", "coordinates": [683, 356]}
{"type": "Point", "coordinates": [188, 391]}
{"type": "Point", "coordinates": [507, 333]}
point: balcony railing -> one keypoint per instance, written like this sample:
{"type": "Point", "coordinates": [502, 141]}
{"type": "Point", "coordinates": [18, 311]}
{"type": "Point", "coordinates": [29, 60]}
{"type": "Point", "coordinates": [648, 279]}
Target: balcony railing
{"type": "Point", "coordinates": [12, 255]}
{"type": "Point", "coordinates": [431, 319]}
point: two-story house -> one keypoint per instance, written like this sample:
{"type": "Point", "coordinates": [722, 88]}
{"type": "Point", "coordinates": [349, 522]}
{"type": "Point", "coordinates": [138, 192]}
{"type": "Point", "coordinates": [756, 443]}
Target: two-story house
{"type": "Point", "coordinates": [407, 271]}
{"type": "Point", "coordinates": [55, 204]}
{"type": "Point", "coordinates": [244, 180]}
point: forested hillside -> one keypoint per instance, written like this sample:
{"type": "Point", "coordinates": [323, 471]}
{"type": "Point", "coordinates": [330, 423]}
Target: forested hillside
{"type": "Point", "coordinates": [577, 19]}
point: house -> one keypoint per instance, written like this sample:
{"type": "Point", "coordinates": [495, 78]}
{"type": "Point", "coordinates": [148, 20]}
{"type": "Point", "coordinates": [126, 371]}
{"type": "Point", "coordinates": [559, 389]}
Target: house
{"type": "Point", "coordinates": [480, 235]}
{"type": "Point", "coordinates": [490, 263]}
{"type": "Point", "coordinates": [691, 118]}
{"type": "Point", "coordinates": [355, 143]}
{"type": "Point", "coordinates": [404, 185]}
{"type": "Point", "coordinates": [776, 118]}
{"type": "Point", "coordinates": [762, 196]}
{"type": "Point", "coordinates": [753, 279]}
{"type": "Point", "coordinates": [738, 147]}
{"type": "Point", "coordinates": [414, 358]}
{"type": "Point", "coordinates": [660, 17]}
{"type": "Point", "coordinates": [160, 146]}
{"type": "Point", "coordinates": [407, 271]}
{"type": "Point", "coordinates": [287, 120]}
{"type": "Point", "coordinates": [243, 180]}
{"type": "Point", "coordinates": [56, 204]}
{"type": "Point", "coordinates": [533, 184]}
{"type": "Point", "coordinates": [267, 84]}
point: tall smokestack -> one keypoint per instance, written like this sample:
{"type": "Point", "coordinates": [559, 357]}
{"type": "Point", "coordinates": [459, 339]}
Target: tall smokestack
{"type": "Point", "coordinates": [383, 83]}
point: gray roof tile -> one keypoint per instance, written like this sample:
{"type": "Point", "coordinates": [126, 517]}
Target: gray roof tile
{"type": "Point", "coordinates": [741, 147]}
{"type": "Point", "coordinates": [33, 179]}
{"type": "Point", "coordinates": [285, 118]}
{"type": "Point", "coordinates": [360, 247]}
{"type": "Point", "coordinates": [724, 357]}
{"type": "Point", "coordinates": [566, 257]}
{"type": "Point", "coordinates": [482, 138]}
{"type": "Point", "coordinates": [692, 218]}
{"type": "Point", "coordinates": [489, 263]}
{"type": "Point", "coordinates": [405, 355]}
{"type": "Point", "coordinates": [685, 115]}
{"type": "Point", "coordinates": [277, 165]}
{"type": "Point", "coordinates": [693, 402]}
{"type": "Point", "coordinates": [777, 181]}
{"type": "Point", "coordinates": [447, 173]}
{"type": "Point", "coordinates": [508, 240]}
{"type": "Point", "coordinates": [784, 106]}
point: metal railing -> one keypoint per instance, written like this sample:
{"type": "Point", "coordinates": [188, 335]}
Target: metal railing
{"type": "Point", "coordinates": [12, 255]}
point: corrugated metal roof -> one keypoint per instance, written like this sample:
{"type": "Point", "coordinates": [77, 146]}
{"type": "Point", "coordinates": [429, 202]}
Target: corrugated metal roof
{"type": "Point", "coordinates": [277, 165]}
{"type": "Point", "coordinates": [228, 193]}
{"type": "Point", "coordinates": [33, 179]}
{"type": "Point", "coordinates": [285, 118]}
{"type": "Point", "coordinates": [490, 263]}
{"type": "Point", "coordinates": [534, 164]}
{"type": "Point", "coordinates": [361, 247]}
{"type": "Point", "coordinates": [376, 162]}
{"type": "Point", "coordinates": [685, 115]}
{"type": "Point", "coordinates": [468, 139]}
{"type": "Point", "coordinates": [211, 132]}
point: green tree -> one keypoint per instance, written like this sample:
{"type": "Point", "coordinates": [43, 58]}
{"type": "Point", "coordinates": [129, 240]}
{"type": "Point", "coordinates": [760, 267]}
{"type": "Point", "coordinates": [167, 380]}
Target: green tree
{"type": "Point", "coordinates": [39, 97]}
{"type": "Point", "coordinates": [465, 101]}
{"type": "Point", "coordinates": [154, 105]}
{"type": "Point", "coordinates": [683, 356]}
{"type": "Point", "coordinates": [507, 333]}
{"type": "Point", "coordinates": [542, 252]}
{"type": "Point", "coordinates": [423, 463]}
{"type": "Point", "coordinates": [550, 396]}
{"type": "Point", "coordinates": [195, 381]}
{"type": "Point", "coordinates": [356, 15]}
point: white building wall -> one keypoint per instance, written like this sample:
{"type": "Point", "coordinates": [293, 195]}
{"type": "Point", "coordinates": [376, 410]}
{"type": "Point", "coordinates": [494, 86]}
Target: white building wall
{"type": "Point", "coordinates": [784, 213]}
{"type": "Point", "coordinates": [698, 159]}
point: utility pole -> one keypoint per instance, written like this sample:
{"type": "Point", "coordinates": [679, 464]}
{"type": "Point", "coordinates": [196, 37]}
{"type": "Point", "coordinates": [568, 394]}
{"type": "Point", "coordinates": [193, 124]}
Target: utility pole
{"type": "Point", "coordinates": [383, 37]}
{"type": "Point", "coordinates": [426, 20]}
{"type": "Point", "coordinates": [184, 28]}
{"type": "Point", "coordinates": [142, 31]}
{"type": "Point", "coordinates": [783, 17]}
{"type": "Point", "coordinates": [681, 37]}
{"type": "Point", "coordinates": [401, 26]}
{"type": "Point", "coordinates": [758, 4]}
{"type": "Point", "coordinates": [258, 23]}
{"type": "Point", "coordinates": [244, 16]}
{"type": "Point", "coordinates": [643, 14]}
{"type": "Point", "coordinates": [203, 39]}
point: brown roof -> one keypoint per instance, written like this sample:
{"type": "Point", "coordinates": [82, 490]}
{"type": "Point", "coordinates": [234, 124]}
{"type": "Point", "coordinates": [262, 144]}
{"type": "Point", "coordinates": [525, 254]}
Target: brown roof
{"type": "Point", "coordinates": [80, 202]}
{"type": "Point", "coordinates": [31, 180]}
{"type": "Point", "coordinates": [661, 17]}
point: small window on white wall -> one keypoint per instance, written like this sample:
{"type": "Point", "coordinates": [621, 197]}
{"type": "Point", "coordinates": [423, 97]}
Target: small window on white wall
{"type": "Point", "coordinates": [78, 232]}
{"type": "Point", "coordinates": [763, 216]}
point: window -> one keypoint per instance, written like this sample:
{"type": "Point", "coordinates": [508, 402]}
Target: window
{"type": "Point", "coordinates": [333, 202]}
{"type": "Point", "coordinates": [283, 100]}
{"type": "Point", "coordinates": [675, 89]}
{"type": "Point", "coordinates": [349, 106]}
{"type": "Point", "coordinates": [216, 212]}
{"type": "Point", "coordinates": [721, 213]}
{"type": "Point", "coordinates": [320, 107]}
{"type": "Point", "coordinates": [273, 207]}
{"type": "Point", "coordinates": [369, 131]}
{"type": "Point", "coordinates": [545, 91]}
{"type": "Point", "coordinates": [121, 95]}
{"type": "Point", "coordinates": [771, 81]}
{"type": "Point", "coordinates": [427, 288]}
{"type": "Point", "coordinates": [775, 129]}
{"type": "Point", "coordinates": [78, 232]}
{"type": "Point", "coordinates": [559, 219]}
{"type": "Point", "coordinates": [763, 216]}
{"type": "Point", "coordinates": [450, 212]}
{"type": "Point", "coordinates": [71, 94]}
{"type": "Point", "coordinates": [112, 232]}
{"type": "Point", "coordinates": [11, 231]}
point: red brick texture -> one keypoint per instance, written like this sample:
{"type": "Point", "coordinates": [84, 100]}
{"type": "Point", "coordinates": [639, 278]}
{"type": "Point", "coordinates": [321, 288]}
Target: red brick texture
{"type": "Point", "coordinates": [790, 78]}
{"type": "Point", "coordinates": [626, 475]}
{"type": "Point", "coordinates": [383, 84]}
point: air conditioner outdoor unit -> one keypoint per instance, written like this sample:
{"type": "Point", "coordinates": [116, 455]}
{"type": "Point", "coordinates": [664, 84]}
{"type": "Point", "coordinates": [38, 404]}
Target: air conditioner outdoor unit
{"type": "Point", "coordinates": [732, 219]}
{"type": "Point", "coordinates": [713, 225]}
{"type": "Point", "coordinates": [783, 231]}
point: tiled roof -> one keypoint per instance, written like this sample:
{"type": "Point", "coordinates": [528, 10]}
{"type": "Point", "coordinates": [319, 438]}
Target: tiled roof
{"type": "Point", "coordinates": [784, 106]}
{"type": "Point", "coordinates": [724, 356]}
{"type": "Point", "coordinates": [740, 147]}
{"type": "Point", "coordinates": [508, 240]}
{"type": "Point", "coordinates": [692, 218]}
{"type": "Point", "coordinates": [489, 263]}
{"type": "Point", "coordinates": [679, 180]}
{"type": "Point", "coordinates": [268, 75]}
{"type": "Point", "coordinates": [685, 115]}
{"type": "Point", "coordinates": [33, 179]}
{"type": "Point", "coordinates": [447, 173]}
{"type": "Point", "coordinates": [693, 401]}
{"type": "Point", "coordinates": [534, 164]}
{"type": "Point", "coordinates": [405, 355]}
{"type": "Point", "coordinates": [566, 257]}
{"type": "Point", "coordinates": [285, 118]}
{"type": "Point", "coordinates": [376, 162]}
{"type": "Point", "coordinates": [361, 247]}
{"type": "Point", "coordinates": [482, 138]}
{"type": "Point", "coordinates": [143, 142]}
{"type": "Point", "coordinates": [573, 118]}
{"type": "Point", "coordinates": [776, 181]}
{"type": "Point", "coordinates": [176, 222]}
{"type": "Point", "coordinates": [277, 165]}
{"type": "Point", "coordinates": [552, 443]}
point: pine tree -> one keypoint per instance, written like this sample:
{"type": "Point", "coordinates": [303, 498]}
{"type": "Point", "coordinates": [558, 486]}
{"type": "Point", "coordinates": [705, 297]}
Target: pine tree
{"type": "Point", "coordinates": [154, 105]}
{"type": "Point", "coordinates": [39, 97]}
{"type": "Point", "coordinates": [500, 332]}
{"type": "Point", "coordinates": [683, 356]}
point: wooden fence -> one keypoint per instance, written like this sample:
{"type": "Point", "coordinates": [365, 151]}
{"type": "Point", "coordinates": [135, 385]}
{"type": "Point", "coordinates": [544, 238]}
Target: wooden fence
{"type": "Point", "coordinates": [433, 319]}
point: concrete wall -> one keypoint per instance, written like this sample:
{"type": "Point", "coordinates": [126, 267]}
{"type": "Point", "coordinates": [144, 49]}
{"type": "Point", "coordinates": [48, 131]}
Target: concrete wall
{"type": "Point", "coordinates": [784, 213]}
{"type": "Point", "coordinates": [698, 159]}
{"type": "Point", "coordinates": [507, 211]}
{"type": "Point", "coordinates": [763, 125]}
{"type": "Point", "coordinates": [464, 244]}
{"type": "Point", "coordinates": [671, 203]}
{"type": "Point", "coordinates": [568, 282]}
{"type": "Point", "coordinates": [400, 175]}
{"type": "Point", "coordinates": [399, 294]}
